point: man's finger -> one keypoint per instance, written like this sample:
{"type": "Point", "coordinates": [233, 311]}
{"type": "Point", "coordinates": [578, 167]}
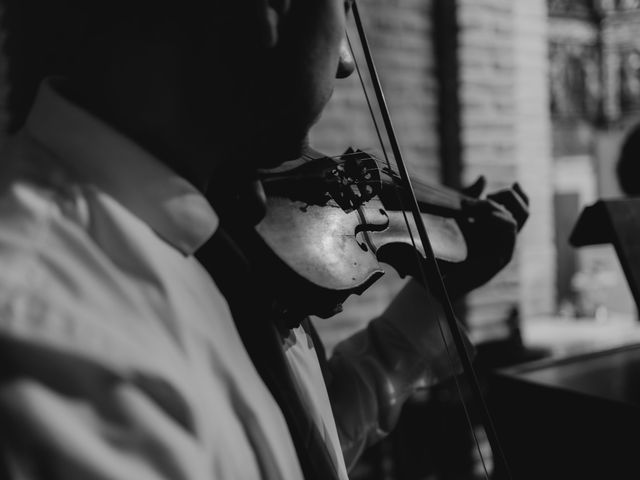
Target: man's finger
{"type": "Point", "coordinates": [500, 213]}
{"type": "Point", "coordinates": [512, 201]}
{"type": "Point", "coordinates": [518, 189]}
{"type": "Point", "coordinates": [476, 188]}
{"type": "Point", "coordinates": [487, 215]}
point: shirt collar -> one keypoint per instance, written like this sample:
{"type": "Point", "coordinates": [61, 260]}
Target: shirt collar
{"type": "Point", "coordinates": [97, 153]}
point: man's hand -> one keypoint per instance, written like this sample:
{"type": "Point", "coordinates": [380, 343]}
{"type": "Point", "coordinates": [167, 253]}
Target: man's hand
{"type": "Point", "coordinates": [490, 227]}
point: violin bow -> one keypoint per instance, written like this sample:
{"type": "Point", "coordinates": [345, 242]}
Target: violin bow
{"type": "Point", "coordinates": [430, 269]}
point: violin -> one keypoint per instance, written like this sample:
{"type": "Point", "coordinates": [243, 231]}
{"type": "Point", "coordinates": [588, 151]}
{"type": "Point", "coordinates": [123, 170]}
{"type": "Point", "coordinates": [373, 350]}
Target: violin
{"type": "Point", "coordinates": [331, 221]}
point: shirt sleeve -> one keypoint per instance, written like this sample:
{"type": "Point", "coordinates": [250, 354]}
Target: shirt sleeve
{"type": "Point", "coordinates": [64, 415]}
{"type": "Point", "coordinates": [372, 373]}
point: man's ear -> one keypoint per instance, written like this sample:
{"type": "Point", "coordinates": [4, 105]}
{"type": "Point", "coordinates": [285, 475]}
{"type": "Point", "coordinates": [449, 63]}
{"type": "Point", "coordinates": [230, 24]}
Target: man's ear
{"type": "Point", "coordinates": [272, 13]}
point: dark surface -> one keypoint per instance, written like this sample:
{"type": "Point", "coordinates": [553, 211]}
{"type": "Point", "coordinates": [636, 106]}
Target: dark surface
{"type": "Point", "coordinates": [614, 375]}
{"type": "Point", "coordinates": [576, 418]}
{"type": "Point", "coordinates": [617, 222]}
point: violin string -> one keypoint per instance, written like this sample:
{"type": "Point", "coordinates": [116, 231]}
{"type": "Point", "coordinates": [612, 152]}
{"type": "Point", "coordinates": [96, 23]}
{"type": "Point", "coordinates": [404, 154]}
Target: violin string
{"type": "Point", "coordinates": [440, 190]}
{"type": "Point", "coordinates": [447, 196]}
{"type": "Point", "coordinates": [434, 196]}
{"type": "Point", "coordinates": [434, 192]}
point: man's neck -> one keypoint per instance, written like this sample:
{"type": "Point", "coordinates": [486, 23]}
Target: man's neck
{"type": "Point", "coordinates": [120, 110]}
{"type": "Point", "coordinates": [133, 81]}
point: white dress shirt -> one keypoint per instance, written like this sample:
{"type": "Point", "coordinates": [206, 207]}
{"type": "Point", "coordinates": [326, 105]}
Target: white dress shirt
{"type": "Point", "coordinates": [303, 360]}
{"type": "Point", "coordinates": [118, 355]}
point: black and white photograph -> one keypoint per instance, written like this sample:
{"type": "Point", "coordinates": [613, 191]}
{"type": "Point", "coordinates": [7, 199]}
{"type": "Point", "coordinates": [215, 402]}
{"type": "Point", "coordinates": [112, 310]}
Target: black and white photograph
{"type": "Point", "coordinates": [319, 240]}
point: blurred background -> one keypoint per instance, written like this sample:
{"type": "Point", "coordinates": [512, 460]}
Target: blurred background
{"type": "Point", "coordinates": [539, 92]}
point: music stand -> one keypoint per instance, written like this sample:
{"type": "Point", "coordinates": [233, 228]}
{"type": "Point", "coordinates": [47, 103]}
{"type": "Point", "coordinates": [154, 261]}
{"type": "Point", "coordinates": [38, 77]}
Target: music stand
{"type": "Point", "coordinates": [615, 221]}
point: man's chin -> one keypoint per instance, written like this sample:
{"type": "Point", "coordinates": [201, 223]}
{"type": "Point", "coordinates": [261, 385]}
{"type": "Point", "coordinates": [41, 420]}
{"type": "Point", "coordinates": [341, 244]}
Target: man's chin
{"type": "Point", "coordinates": [279, 153]}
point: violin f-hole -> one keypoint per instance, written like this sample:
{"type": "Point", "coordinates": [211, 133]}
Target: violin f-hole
{"type": "Point", "coordinates": [367, 225]}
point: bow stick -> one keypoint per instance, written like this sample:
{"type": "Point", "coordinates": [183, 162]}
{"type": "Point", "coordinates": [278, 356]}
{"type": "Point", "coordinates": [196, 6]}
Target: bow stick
{"type": "Point", "coordinates": [430, 269]}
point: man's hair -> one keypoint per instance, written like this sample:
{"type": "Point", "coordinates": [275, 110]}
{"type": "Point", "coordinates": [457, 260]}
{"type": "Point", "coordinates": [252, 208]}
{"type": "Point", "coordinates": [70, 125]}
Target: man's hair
{"type": "Point", "coordinates": [628, 166]}
{"type": "Point", "coordinates": [40, 39]}
{"type": "Point", "coordinates": [43, 37]}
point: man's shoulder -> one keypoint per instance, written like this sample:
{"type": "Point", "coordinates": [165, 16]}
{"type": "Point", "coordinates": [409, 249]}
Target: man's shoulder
{"type": "Point", "coordinates": [38, 202]}
{"type": "Point", "coordinates": [52, 268]}
{"type": "Point", "coordinates": [59, 291]}
{"type": "Point", "coordinates": [57, 228]}
{"type": "Point", "coordinates": [35, 190]}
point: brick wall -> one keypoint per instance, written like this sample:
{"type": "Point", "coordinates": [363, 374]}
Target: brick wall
{"type": "Point", "coordinates": [488, 133]}
{"type": "Point", "coordinates": [506, 128]}
{"type": "Point", "coordinates": [506, 137]}
{"type": "Point", "coordinates": [533, 157]}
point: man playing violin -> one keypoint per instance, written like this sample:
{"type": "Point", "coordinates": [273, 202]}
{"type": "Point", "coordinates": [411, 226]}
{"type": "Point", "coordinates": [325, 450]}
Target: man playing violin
{"type": "Point", "coordinates": [119, 353]}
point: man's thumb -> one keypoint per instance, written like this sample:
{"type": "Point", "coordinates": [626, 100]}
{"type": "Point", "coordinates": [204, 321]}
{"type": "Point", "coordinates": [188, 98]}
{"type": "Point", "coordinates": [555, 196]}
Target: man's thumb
{"type": "Point", "coordinates": [476, 188]}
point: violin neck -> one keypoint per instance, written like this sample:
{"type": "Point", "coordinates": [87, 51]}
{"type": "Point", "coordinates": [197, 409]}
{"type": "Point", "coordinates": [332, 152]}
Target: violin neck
{"type": "Point", "coordinates": [432, 198]}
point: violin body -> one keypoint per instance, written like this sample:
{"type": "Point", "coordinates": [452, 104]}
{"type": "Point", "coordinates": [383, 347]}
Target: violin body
{"type": "Point", "coordinates": [324, 239]}
{"type": "Point", "coordinates": [340, 250]}
{"type": "Point", "coordinates": [323, 244]}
